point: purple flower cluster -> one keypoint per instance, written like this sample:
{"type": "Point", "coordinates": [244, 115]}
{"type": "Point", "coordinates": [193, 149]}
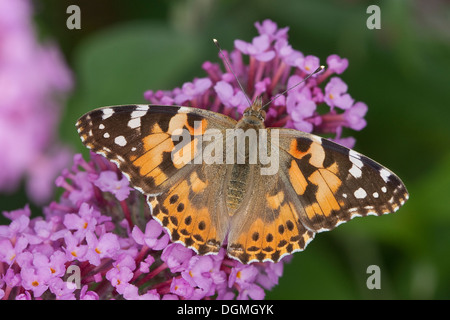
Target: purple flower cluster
{"type": "Point", "coordinates": [100, 242]}
{"type": "Point", "coordinates": [274, 66]}
{"type": "Point", "coordinates": [33, 79]}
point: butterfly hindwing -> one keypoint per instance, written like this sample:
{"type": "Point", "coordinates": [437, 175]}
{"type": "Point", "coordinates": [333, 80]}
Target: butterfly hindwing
{"type": "Point", "coordinates": [268, 227]}
{"type": "Point", "coordinates": [193, 212]}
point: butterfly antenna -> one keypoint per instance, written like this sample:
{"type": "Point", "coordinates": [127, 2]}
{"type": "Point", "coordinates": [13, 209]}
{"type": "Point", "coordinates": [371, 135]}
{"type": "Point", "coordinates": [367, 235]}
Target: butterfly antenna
{"type": "Point", "coordinates": [229, 68]}
{"type": "Point", "coordinates": [319, 69]}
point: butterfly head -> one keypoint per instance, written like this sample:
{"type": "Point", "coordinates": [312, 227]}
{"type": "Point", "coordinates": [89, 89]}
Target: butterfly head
{"type": "Point", "coordinates": [254, 115]}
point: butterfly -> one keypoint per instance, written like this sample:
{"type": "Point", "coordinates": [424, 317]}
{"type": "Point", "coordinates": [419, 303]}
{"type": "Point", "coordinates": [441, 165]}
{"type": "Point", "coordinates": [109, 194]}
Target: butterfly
{"type": "Point", "coordinates": [175, 155]}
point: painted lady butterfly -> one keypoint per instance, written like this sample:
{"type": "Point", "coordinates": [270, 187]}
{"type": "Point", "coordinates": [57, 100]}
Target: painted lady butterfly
{"type": "Point", "coordinates": [204, 204]}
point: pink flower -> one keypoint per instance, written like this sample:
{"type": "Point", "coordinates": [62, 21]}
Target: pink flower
{"type": "Point", "coordinates": [309, 64]}
{"type": "Point", "coordinates": [355, 116]}
{"type": "Point", "coordinates": [9, 251]}
{"type": "Point", "coordinates": [182, 288]}
{"type": "Point", "coordinates": [131, 293]}
{"type": "Point", "coordinates": [155, 236]}
{"type": "Point", "coordinates": [259, 48]}
{"type": "Point", "coordinates": [34, 281]}
{"type": "Point", "coordinates": [270, 28]}
{"type": "Point", "coordinates": [287, 54]}
{"type": "Point", "coordinates": [229, 96]}
{"type": "Point", "coordinates": [192, 89]}
{"type": "Point", "coordinates": [33, 83]}
{"type": "Point", "coordinates": [198, 272]}
{"type": "Point", "coordinates": [337, 64]}
{"type": "Point", "coordinates": [119, 278]}
{"type": "Point", "coordinates": [317, 106]}
{"type": "Point", "coordinates": [108, 181]}
{"type": "Point", "coordinates": [105, 246]}
{"type": "Point", "coordinates": [176, 256]}
{"type": "Point", "coordinates": [336, 94]}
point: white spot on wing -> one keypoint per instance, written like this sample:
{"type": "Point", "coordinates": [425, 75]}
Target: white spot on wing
{"type": "Point", "coordinates": [101, 126]}
{"type": "Point", "coordinates": [355, 171]}
{"type": "Point", "coordinates": [355, 159]}
{"type": "Point", "coordinates": [107, 112]}
{"type": "Point", "coordinates": [134, 122]}
{"type": "Point", "coordinates": [385, 175]}
{"type": "Point", "coordinates": [184, 110]}
{"type": "Point", "coordinates": [360, 193]}
{"type": "Point", "coordinates": [106, 135]}
{"type": "Point", "coordinates": [121, 141]}
{"type": "Point", "coordinates": [138, 113]}
{"type": "Point", "coordinates": [384, 189]}
{"type": "Point", "coordinates": [376, 195]}
{"type": "Point", "coordinates": [354, 154]}
{"type": "Point", "coordinates": [142, 107]}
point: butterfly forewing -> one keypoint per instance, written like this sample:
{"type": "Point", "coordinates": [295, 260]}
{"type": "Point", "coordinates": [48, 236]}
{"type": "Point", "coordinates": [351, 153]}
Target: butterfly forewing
{"type": "Point", "coordinates": [140, 139]}
{"type": "Point", "coordinates": [335, 184]}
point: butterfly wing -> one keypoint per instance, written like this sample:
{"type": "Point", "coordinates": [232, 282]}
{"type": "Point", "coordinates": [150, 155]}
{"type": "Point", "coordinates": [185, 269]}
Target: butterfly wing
{"type": "Point", "coordinates": [319, 185]}
{"type": "Point", "coordinates": [267, 227]}
{"type": "Point", "coordinates": [156, 147]}
{"type": "Point", "coordinates": [335, 184]}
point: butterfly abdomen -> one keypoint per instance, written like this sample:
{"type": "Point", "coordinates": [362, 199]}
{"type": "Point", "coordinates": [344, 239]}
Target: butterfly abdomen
{"type": "Point", "coordinates": [245, 142]}
{"type": "Point", "coordinates": [236, 187]}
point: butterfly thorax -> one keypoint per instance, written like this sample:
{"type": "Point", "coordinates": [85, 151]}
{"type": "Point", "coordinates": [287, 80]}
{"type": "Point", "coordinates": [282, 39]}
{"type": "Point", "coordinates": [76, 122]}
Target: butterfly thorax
{"type": "Point", "coordinates": [239, 183]}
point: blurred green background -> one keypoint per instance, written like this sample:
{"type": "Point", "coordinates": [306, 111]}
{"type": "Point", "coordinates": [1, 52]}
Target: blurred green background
{"type": "Point", "coordinates": [401, 71]}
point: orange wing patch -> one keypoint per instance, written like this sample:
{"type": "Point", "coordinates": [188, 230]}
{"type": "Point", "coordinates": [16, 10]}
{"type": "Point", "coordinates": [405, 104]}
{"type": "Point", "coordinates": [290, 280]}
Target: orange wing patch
{"type": "Point", "coordinates": [271, 240]}
{"type": "Point", "coordinates": [154, 146]}
{"type": "Point", "coordinates": [312, 148]}
{"type": "Point", "coordinates": [318, 184]}
{"type": "Point", "coordinates": [185, 154]}
{"type": "Point", "coordinates": [185, 222]}
{"type": "Point", "coordinates": [327, 184]}
{"type": "Point", "coordinates": [297, 178]}
{"type": "Point", "coordinates": [180, 121]}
